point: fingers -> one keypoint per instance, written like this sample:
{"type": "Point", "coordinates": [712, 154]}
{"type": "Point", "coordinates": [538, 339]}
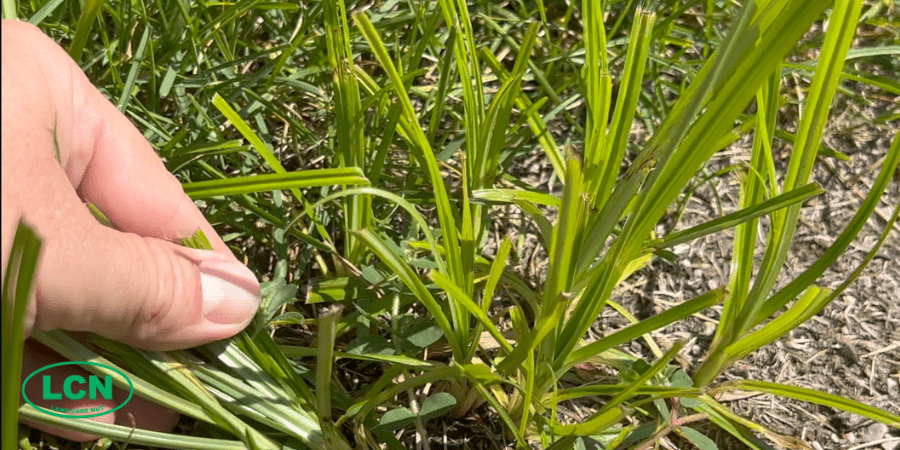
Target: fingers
{"type": "Point", "coordinates": [101, 152]}
{"type": "Point", "coordinates": [145, 292]}
{"type": "Point", "coordinates": [125, 178]}
{"type": "Point", "coordinates": [133, 286]}
{"type": "Point", "coordinates": [142, 291]}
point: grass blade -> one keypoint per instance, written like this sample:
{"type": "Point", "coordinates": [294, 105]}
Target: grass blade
{"type": "Point", "coordinates": [83, 29]}
{"type": "Point", "coordinates": [598, 84]}
{"type": "Point", "coordinates": [602, 181]}
{"type": "Point", "coordinates": [324, 363]}
{"type": "Point", "coordinates": [815, 270]}
{"type": "Point", "coordinates": [350, 137]}
{"type": "Point", "coordinates": [514, 195]}
{"type": "Point", "coordinates": [275, 182]}
{"type": "Point", "coordinates": [9, 13]}
{"type": "Point", "coordinates": [660, 320]}
{"type": "Point", "coordinates": [132, 435]}
{"type": "Point", "coordinates": [459, 296]}
{"type": "Point", "coordinates": [841, 29]}
{"type": "Point", "coordinates": [18, 284]}
{"type": "Point", "coordinates": [41, 14]}
{"type": "Point", "coordinates": [414, 130]}
{"type": "Point", "coordinates": [535, 121]}
{"type": "Point", "coordinates": [795, 196]}
{"type": "Point", "coordinates": [813, 396]}
{"type": "Point", "coordinates": [133, 72]}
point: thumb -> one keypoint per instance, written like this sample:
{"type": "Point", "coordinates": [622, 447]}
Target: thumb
{"type": "Point", "coordinates": [145, 292]}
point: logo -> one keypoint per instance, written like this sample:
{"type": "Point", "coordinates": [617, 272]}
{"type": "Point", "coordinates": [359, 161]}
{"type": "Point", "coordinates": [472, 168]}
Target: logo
{"type": "Point", "coordinates": [55, 387]}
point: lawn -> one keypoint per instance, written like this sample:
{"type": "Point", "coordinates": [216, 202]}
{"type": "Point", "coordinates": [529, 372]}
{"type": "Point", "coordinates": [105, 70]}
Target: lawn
{"type": "Point", "coordinates": [520, 224]}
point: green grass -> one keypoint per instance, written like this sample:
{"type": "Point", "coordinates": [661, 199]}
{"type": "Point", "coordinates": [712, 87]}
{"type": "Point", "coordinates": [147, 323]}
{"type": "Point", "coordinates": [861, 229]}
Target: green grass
{"type": "Point", "coordinates": [363, 151]}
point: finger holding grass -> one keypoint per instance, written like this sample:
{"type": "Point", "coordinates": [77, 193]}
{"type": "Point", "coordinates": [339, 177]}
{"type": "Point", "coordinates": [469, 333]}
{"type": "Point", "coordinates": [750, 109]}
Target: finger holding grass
{"type": "Point", "coordinates": [65, 144]}
{"type": "Point", "coordinates": [134, 285]}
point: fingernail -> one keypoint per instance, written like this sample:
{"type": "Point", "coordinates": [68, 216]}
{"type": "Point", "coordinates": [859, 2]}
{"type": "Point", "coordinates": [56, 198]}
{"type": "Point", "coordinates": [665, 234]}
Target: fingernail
{"type": "Point", "coordinates": [230, 292]}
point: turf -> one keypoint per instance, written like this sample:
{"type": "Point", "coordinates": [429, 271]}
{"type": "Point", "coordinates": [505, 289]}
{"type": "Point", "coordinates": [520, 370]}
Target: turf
{"type": "Point", "coordinates": [259, 100]}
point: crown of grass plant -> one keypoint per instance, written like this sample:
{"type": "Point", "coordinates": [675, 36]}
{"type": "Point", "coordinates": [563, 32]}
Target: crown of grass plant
{"type": "Point", "coordinates": [431, 103]}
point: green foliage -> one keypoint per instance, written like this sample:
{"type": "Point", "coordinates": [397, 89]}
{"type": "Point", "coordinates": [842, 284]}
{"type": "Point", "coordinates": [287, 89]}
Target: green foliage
{"type": "Point", "coordinates": [372, 150]}
{"type": "Point", "coordinates": [18, 282]}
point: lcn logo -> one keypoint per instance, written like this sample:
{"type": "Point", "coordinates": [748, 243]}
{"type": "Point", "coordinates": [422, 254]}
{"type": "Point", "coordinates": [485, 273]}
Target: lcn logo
{"type": "Point", "coordinates": [74, 388]}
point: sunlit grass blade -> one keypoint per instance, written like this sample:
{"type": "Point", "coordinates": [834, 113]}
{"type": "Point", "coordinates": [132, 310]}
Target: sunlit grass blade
{"type": "Point", "coordinates": [535, 121]}
{"type": "Point", "coordinates": [292, 351]}
{"type": "Point", "coordinates": [563, 251]}
{"type": "Point", "coordinates": [238, 122]}
{"type": "Point", "coordinates": [249, 387]}
{"type": "Point", "coordinates": [128, 89]}
{"type": "Point", "coordinates": [730, 79]}
{"type": "Point", "coordinates": [609, 161]}
{"type": "Point", "coordinates": [598, 86]}
{"type": "Point", "coordinates": [83, 29]}
{"type": "Point", "coordinates": [612, 412]}
{"type": "Point", "coordinates": [646, 326]}
{"type": "Point", "coordinates": [414, 130]}
{"type": "Point", "coordinates": [652, 371]}
{"type": "Point", "coordinates": [545, 228]}
{"type": "Point", "coordinates": [324, 363]}
{"type": "Point", "coordinates": [222, 105]}
{"type": "Point", "coordinates": [496, 272]}
{"type": "Point", "coordinates": [41, 14]}
{"type": "Point", "coordinates": [686, 109]}
{"type": "Point", "coordinates": [378, 396]}
{"type": "Point", "coordinates": [888, 84]}
{"type": "Point", "coordinates": [594, 424]}
{"type": "Point", "coordinates": [817, 268]}
{"type": "Point", "coordinates": [512, 195]}
{"type": "Point", "coordinates": [737, 426]}
{"type": "Point", "coordinates": [813, 396]}
{"type": "Point", "coordinates": [613, 389]}
{"type": "Point", "coordinates": [18, 284]}
{"type": "Point", "coordinates": [135, 436]}
{"type": "Point", "coordinates": [179, 372]}
{"type": "Point", "coordinates": [467, 66]}
{"type": "Point", "coordinates": [457, 295]}
{"type": "Point", "coordinates": [417, 216]}
{"type": "Point", "coordinates": [490, 287]}
{"type": "Point", "coordinates": [802, 310]}
{"type": "Point", "coordinates": [752, 192]}
{"type": "Point", "coordinates": [350, 136]}
{"type": "Point", "coordinates": [275, 182]}
{"type": "Point", "coordinates": [442, 87]}
{"type": "Point", "coordinates": [841, 29]}
{"type": "Point", "coordinates": [492, 135]}
{"type": "Point", "coordinates": [9, 13]}
{"type": "Point", "coordinates": [600, 226]}
{"type": "Point", "coordinates": [738, 217]}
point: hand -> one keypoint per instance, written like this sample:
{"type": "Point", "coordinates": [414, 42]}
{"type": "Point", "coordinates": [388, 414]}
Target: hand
{"type": "Point", "coordinates": [64, 144]}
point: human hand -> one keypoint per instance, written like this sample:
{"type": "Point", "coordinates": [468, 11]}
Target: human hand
{"type": "Point", "coordinates": [64, 143]}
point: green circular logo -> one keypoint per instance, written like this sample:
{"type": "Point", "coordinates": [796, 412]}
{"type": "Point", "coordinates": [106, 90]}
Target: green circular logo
{"type": "Point", "coordinates": [96, 388]}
